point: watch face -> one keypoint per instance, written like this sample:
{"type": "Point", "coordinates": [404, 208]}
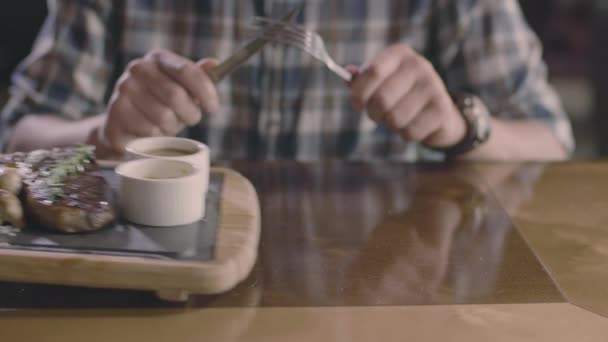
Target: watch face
{"type": "Point", "coordinates": [478, 122]}
{"type": "Point", "coordinates": [481, 121]}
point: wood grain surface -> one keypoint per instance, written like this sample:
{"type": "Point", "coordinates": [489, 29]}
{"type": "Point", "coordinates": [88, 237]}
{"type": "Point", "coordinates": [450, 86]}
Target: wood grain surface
{"type": "Point", "coordinates": [377, 251]}
{"type": "Point", "coordinates": [235, 254]}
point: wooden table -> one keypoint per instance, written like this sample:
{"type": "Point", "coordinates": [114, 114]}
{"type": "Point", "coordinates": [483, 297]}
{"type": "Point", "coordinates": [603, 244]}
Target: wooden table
{"type": "Point", "coordinates": [381, 251]}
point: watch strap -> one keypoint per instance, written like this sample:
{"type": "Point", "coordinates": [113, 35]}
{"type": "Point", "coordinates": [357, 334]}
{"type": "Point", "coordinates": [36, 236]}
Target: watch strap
{"type": "Point", "coordinates": [476, 118]}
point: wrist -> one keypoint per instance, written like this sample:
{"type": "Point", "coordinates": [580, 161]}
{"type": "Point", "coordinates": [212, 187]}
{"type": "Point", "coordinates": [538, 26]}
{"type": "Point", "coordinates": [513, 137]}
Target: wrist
{"type": "Point", "coordinates": [102, 149]}
{"type": "Point", "coordinates": [476, 119]}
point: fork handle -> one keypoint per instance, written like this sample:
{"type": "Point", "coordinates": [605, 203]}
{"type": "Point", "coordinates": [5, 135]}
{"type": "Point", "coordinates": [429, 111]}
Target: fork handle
{"type": "Point", "coordinates": [340, 71]}
{"type": "Point", "coordinates": [223, 69]}
{"type": "Point", "coordinates": [216, 75]}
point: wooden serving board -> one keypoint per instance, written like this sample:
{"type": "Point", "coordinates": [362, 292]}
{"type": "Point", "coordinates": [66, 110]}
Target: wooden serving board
{"type": "Point", "coordinates": [237, 238]}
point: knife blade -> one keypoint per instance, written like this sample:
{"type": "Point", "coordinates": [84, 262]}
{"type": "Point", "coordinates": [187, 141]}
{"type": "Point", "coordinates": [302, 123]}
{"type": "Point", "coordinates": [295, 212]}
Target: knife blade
{"type": "Point", "coordinates": [243, 54]}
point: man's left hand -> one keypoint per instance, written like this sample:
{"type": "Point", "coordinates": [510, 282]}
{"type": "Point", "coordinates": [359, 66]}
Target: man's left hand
{"type": "Point", "coordinates": [401, 89]}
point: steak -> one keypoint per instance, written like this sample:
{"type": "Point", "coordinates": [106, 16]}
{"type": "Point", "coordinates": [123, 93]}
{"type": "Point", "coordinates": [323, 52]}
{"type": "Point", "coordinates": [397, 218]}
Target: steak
{"type": "Point", "coordinates": [62, 191]}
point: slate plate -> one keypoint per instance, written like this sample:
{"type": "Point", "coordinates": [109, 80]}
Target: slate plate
{"type": "Point", "coordinates": [187, 242]}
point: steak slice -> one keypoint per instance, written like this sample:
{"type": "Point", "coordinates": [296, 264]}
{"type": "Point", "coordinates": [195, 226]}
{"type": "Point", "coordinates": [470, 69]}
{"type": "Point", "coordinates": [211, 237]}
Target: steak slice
{"type": "Point", "coordinates": [84, 206]}
{"type": "Point", "coordinates": [62, 191]}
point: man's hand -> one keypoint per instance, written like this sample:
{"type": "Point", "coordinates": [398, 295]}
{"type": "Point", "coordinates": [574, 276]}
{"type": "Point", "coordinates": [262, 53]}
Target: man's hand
{"type": "Point", "coordinates": [401, 89]}
{"type": "Point", "coordinates": [159, 94]}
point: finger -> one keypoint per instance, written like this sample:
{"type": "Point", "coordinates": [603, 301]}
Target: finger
{"type": "Point", "coordinates": [170, 93]}
{"type": "Point", "coordinates": [194, 79]}
{"type": "Point", "coordinates": [150, 107]}
{"type": "Point", "coordinates": [408, 107]}
{"type": "Point", "coordinates": [113, 132]}
{"type": "Point", "coordinates": [374, 73]}
{"type": "Point", "coordinates": [135, 122]}
{"type": "Point", "coordinates": [354, 71]}
{"type": "Point", "coordinates": [158, 114]}
{"type": "Point", "coordinates": [422, 126]}
{"type": "Point", "coordinates": [207, 64]}
{"type": "Point", "coordinates": [390, 92]}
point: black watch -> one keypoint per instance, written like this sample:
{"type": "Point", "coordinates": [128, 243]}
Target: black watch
{"type": "Point", "coordinates": [477, 120]}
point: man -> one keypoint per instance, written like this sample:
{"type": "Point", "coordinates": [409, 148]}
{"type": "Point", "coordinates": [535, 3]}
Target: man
{"type": "Point", "coordinates": [434, 79]}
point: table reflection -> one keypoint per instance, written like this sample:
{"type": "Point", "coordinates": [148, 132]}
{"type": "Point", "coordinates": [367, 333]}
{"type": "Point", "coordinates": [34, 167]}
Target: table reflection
{"type": "Point", "coordinates": [394, 234]}
{"type": "Point", "coordinates": [338, 234]}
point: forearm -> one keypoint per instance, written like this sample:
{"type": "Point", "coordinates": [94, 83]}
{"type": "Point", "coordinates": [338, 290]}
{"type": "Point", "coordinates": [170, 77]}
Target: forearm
{"type": "Point", "coordinates": [44, 131]}
{"type": "Point", "coordinates": [513, 140]}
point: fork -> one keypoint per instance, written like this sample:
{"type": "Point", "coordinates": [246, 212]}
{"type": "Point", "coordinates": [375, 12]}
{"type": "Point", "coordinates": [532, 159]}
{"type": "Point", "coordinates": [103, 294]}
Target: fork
{"type": "Point", "coordinates": [302, 38]}
{"type": "Point", "coordinates": [243, 54]}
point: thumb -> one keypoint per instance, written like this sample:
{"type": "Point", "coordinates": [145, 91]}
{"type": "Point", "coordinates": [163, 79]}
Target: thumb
{"type": "Point", "coordinates": [207, 63]}
{"type": "Point", "coordinates": [354, 70]}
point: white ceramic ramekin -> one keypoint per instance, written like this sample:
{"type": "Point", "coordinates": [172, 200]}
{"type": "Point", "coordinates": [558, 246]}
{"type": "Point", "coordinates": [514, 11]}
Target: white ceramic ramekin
{"type": "Point", "coordinates": [199, 157]}
{"type": "Point", "coordinates": [161, 192]}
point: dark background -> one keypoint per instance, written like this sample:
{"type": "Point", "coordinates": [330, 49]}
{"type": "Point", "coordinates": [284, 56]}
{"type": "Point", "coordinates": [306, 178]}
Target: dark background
{"type": "Point", "coordinates": [574, 33]}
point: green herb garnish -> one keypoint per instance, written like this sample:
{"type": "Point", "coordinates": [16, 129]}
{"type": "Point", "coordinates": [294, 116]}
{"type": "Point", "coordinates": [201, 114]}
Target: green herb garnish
{"type": "Point", "coordinates": [64, 168]}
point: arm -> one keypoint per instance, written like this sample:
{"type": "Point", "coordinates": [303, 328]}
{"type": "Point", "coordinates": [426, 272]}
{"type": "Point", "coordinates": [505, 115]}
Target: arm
{"type": "Point", "coordinates": [401, 89]}
{"type": "Point", "coordinates": [28, 135]}
{"type": "Point", "coordinates": [501, 61]}
{"type": "Point", "coordinates": [51, 112]}
{"type": "Point", "coordinates": [58, 131]}
{"type": "Point", "coordinates": [512, 139]}
{"type": "Point", "coordinates": [182, 88]}
{"type": "Point", "coordinates": [59, 89]}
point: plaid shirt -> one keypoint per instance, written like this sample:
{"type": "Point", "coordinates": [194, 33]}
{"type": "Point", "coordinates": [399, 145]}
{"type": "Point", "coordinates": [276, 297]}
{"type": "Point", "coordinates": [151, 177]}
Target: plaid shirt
{"type": "Point", "coordinates": [283, 104]}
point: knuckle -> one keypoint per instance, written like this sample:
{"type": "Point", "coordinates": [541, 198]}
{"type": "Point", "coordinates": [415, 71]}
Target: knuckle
{"type": "Point", "coordinates": [389, 120]}
{"type": "Point", "coordinates": [432, 113]}
{"type": "Point", "coordinates": [135, 67]}
{"type": "Point", "coordinates": [403, 49]}
{"type": "Point", "coordinates": [114, 138]}
{"type": "Point", "coordinates": [375, 116]}
{"type": "Point", "coordinates": [124, 85]}
{"type": "Point", "coordinates": [357, 98]}
{"type": "Point", "coordinates": [113, 101]}
{"type": "Point", "coordinates": [432, 88]}
{"type": "Point", "coordinates": [193, 118]}
{"type": "Point", "coordinates": [150, 131]}
{"type": "Point", "coordinates": [408, 133]}
{"type": "Point", "coordinates": [374, 71]}
{"type": "Point", "coordinates": [115, 109]}
{"type": "Point", "coordinates": [155, 53]}
{"type": "Point", "coordinates": [415, 134]}
{"type": "Point", "coordinates": [433, 85]}
{"type": "Point", "coordinates": [112, 114]}
{"type": "Point", "coordinates": [426, 66]}
{"type": "Point", "coordinates": [183, 73]}
{"type": "Point", "coordinates": [175, 95]}
{"type": "Point", "coordinates": [382, 101]}
{"type": "Point", "coordinates": [132, 63]}
{"type": "Point", "coordinates": [416, 62]}
{"type": "Point", "coordinates": [166, 120]}
{"type": "Point", "coordinates": [189, 71]}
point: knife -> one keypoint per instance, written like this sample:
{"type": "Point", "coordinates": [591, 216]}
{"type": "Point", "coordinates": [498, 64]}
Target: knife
{"type": "Point", "coordinates": [229, 65]}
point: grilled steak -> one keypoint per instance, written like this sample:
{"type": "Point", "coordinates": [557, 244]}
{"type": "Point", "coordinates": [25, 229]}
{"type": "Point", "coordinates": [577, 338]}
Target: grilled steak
{"type": "Point", "coordinates": [61, 190]}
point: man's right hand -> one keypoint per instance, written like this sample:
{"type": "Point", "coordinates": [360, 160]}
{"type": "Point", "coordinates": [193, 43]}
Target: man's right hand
{"type": "Point", "coordinates": [159, 94]}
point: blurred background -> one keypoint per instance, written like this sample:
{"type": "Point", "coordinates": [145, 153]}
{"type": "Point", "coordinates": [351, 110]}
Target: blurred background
{"type": "Point", "coordinates": [574, 33]}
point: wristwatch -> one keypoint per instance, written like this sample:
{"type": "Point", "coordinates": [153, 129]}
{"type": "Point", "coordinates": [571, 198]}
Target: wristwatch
{"type": "Point", "coordinates": [477, 120]}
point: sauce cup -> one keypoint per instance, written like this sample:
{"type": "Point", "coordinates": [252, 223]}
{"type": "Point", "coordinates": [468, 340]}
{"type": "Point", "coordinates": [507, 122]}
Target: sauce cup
{"type": "Point", "coordinates": [172, 148]}
{"type": "Point", "coordinates": [161, 192]}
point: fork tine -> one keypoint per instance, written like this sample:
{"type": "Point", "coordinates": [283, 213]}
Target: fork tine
{"type": "Point", "coordinates": [291, 37]}
{"type": "Point", "coordinates": [292, 40]}
{"type": "Point", "coordinates": [302, 38]}
{"type": "Point", "coordinates": [277, 34]}
{"type": "Point", "coordinates": [279, 26]}
{"type": "Point", "coordinates": [309, 42]}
